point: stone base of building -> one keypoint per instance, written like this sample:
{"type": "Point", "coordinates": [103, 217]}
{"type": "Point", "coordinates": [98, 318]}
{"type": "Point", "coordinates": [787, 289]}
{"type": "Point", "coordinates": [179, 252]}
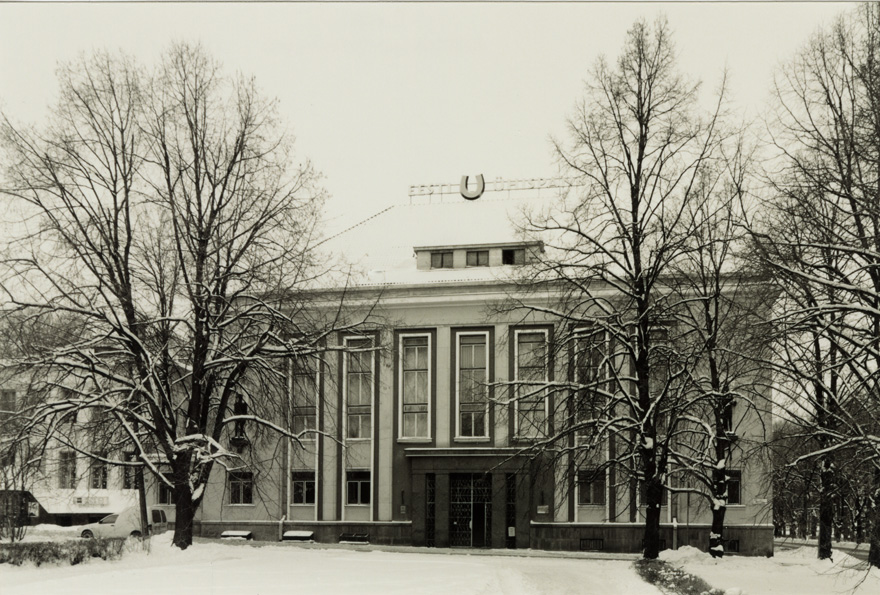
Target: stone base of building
{"type": "Point", "coordinates": [627, 537]}
{"type": "Point", "coordinates": [601, 537]}
{"type": "Point", "coordinates": [379, 533]}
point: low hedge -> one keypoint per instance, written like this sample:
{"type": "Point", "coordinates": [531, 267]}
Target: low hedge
{"type": "Point", "coordinates": [74, 551]}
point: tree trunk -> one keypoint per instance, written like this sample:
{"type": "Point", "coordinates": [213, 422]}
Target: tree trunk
{"type": "Point", "coordinates": [719, 508]}
{"type": "Point", "coordinates": [184, 507]}
{"type": "Point", "coordinates": [826, 508]}
{"type": "Point", "coordinates": [654, 496]}
{"type": "Point", "coordinates": [874, 512]}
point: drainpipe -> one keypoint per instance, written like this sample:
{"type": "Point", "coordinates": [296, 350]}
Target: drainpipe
{"type": "Point", "coordinates": [281, 527]}
{"type": "Point", "coordinates": [675, 533]}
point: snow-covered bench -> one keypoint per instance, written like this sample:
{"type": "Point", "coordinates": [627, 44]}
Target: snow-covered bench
{"type": "Point", "coordinates": [298, 536]}
{"type": "Point", "coordinates": [237, 535]}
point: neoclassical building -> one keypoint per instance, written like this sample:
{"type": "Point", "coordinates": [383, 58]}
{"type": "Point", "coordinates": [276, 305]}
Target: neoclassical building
{"type": "Point", "coordinates": [420, 442]}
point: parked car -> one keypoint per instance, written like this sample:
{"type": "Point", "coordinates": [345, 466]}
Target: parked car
{"type": "Point", "coordinates": [126, 523]}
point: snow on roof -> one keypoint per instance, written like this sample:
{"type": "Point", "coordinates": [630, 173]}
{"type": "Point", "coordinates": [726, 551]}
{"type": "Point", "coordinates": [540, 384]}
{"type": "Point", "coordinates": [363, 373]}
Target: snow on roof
{"type": "Point", "coordinates": [382, 247]}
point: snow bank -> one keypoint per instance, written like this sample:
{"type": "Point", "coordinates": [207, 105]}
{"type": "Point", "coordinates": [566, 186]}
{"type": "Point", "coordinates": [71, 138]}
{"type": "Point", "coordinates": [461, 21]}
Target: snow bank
{"type": "Point", "coordinates": [795, 572]}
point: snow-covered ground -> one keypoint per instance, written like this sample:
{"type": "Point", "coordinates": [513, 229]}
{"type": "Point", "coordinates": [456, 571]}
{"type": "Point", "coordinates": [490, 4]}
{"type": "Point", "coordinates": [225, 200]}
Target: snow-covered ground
{"type": "Point", "coordinates": [220, 568]}
{"type": "Point", "coordinates": [795, 572]}
{"type": "Point", "coordinates": [239, 568]}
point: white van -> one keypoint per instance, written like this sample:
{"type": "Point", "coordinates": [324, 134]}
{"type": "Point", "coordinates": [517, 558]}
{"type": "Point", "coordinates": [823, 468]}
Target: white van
{"type": "Point", "coordinates": [126, 523]}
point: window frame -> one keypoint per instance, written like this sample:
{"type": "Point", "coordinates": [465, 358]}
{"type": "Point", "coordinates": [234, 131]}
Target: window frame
{"type": "Point", "coordinates": [595, 474]}
{"type": "Point", "coordinates": [364, 486]}
{"type": "Point", "coordinates": [517, 434]}
{"type": "Point", "coordinates": [602, 370]}
{"type": "Point", "coordinates": [735, 476]}
{"type": "Point", "coordinates": [7, 409]}
{"type": "Point", "coordinates": [442, 254]}
{"type": "Point", "coordinates": [67, 476]}
{"type": "Point", "coordinates": [477, 254]}
{"type": "Point", "coordinates": [128, 473]}
{"type": "Point", "coordinates": [513, 252]}
{"type": "Point", "coordinates": [98, 473]}
{"type": "Point", "coordinates": [238, 481]}
{"type": "Point", "coordinates": [164, 492]}
{"type": "Point", "coordinates": [301, 476]}
{"type": "Point", "coordinates": [294, 407]}
{"type": "Point", "coordinates": [486, 334]}
{"type": "Point", "coordinates": [401, 384]}
{"type": "Point", "coordinates": [346, 355]}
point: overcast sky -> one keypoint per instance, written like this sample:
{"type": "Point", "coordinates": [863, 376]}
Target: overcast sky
{"type": "Point", "coordinates": [385, 95]}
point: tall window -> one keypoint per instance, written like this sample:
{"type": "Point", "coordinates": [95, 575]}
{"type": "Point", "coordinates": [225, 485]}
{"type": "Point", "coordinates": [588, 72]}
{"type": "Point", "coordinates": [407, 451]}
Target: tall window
{"type": "Point", "coordinates": [415, 386]}
{"type": "Point", "coordinates": [473, 392]}
{"type": "Point", "coordinates": [359, 389]}
{"type": "Point", "coordinates": [241, 487]}
{"type": "Point", "coordinates": [734, 486]}
{"type": "Point", "coordinates": [357, 487]}
{"type": "Point", "coordinates": [166, 492]}
{"type": "Point", "coordinates": [591, 486]}
{"type": "Point", "coordinates": [99, 473]}
{"type": "Point", "coordinates": [7, 404]}
{"type": "Point", "coordinates": [305, 390]}
{"type": "Point", "coordinates": [128, 482]}
{"type": "Point", "coordinates": [590, 372]}
{"type": "Point", "coordinates": [531, 372]}
{"type": "Point", "coordinates": [67, 470]}
{"type": "Point", "coordinates": [441, 260]}
{"type": "Point", "coordinates": [303, 487]}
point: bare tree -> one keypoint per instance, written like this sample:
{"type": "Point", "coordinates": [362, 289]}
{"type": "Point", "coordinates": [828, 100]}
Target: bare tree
{"type": "Point", "coordinates": [165, 214]}
{"type": "Point", "coordinates": [639, 144]}
{"type": "Point", "coordinates": [822, 241]}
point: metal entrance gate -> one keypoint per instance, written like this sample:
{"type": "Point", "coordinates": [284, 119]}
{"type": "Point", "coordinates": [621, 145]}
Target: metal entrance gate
{"type": "Point", "coordinates": [470, 510]}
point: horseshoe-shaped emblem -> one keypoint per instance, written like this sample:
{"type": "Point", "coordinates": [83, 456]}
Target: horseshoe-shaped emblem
{"type": "Point", "coordinates": [472, 194]}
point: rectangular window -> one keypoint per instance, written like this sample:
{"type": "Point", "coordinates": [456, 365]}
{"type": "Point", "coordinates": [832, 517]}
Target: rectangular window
{"type": "Point", "coordinates": [590, 357]}
{"type": "Point", "coordinates": [659, 359]}
{"type": "Point", "coordinates": [358, 388]}
{"type": "Point", "coordinates": [241, 487]}
{"type": "Point", "coordinates": [67, 470]}
{"type": "Point", "coordinates": [643, 495]}
{"type": "Point", "coordinates": [531, 371]}
{"type": "Point", "coordinates": [7, 404]}
{"type": "Point", "coordinates": [591, 487]}
{"type": "Point", "coordinates": [98, 473]}
{"type": "Point", "coordinates": [478, 258]}
{"type": "Point", "coordinates": [727, 405]}
{"type": "Point", "coordinates": [305, 393]}
{"type": "Point", "coordinates": [472, 388]}
{"type": "Point", "coordinates": [513, 256]}
{"type": "Point", "coordinates": [415, 386]}
{"type": "Point", "coordinates": [441, 260]}
{"type": "Point", "coordinates": [734, 486]}
{"type": "Point", "coordinates": [166, 493]}
{"type": "Point", "coordinates": [357, 487]}
{"type": "Point", "coordinates": [128, 482]}
{"type": "Point", "coordinates": [303, 487]}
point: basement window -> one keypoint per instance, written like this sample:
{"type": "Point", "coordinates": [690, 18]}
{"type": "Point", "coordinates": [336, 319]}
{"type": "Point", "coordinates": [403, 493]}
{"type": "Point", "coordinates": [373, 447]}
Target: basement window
{"type": "Point", "coordinates": [513, 256]}
{"type": "Point", "coordinates": [441, 260]}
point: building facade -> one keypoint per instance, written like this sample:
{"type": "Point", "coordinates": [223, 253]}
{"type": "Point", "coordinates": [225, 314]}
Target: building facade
{"type": "Point", "coordinates": [419, 439]}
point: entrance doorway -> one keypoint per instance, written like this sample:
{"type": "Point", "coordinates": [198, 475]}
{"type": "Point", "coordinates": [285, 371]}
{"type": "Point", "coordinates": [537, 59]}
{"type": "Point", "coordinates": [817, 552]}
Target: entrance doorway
{"type": "Point", "coordinates": [470, 510]}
